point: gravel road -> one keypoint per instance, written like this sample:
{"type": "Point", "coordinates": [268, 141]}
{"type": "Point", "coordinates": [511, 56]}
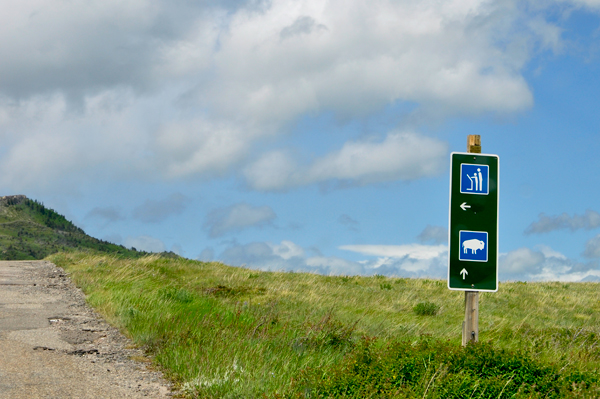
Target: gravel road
{"type": "Point", "coordinates": [52, 345]}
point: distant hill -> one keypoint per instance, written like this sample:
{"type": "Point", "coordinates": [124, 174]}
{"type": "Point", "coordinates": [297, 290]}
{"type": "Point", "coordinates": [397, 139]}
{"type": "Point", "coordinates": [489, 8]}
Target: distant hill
{"type": "Point", "coordinates": [29, 230]}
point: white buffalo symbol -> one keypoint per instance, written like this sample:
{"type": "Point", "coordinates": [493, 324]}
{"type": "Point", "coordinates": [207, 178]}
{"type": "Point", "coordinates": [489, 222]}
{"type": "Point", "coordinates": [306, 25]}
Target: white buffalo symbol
{"type": "Point", "coordinates": [473, 244]}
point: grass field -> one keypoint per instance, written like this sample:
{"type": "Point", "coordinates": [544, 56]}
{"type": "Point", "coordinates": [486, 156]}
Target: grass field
{"type": "Point", "coordinates": [228, 332]}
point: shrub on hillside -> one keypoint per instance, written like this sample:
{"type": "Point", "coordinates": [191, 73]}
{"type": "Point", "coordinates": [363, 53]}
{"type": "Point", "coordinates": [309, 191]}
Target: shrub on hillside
{"type": "Point", "coordinates": [426, 309]}
{"type": "Point", "coordinates": [436, 369]}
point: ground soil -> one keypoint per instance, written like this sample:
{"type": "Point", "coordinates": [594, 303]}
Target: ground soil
{"type": "Point", "coordinates": [52, 345]}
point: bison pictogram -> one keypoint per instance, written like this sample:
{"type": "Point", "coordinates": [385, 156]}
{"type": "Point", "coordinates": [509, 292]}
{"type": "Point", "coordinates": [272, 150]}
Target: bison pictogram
{"type": "Point", "coordinates": [473, 244]}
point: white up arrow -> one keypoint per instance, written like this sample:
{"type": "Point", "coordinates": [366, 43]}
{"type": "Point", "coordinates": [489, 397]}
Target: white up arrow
{"type": "Point", "coordinates": [464, 206]}
{"type": "Point", "coordinates": [463, 273]}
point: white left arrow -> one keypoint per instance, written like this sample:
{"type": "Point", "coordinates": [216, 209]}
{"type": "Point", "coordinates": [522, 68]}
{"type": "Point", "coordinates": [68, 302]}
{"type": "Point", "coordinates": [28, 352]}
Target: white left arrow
{"type": "Point", "coordinates": [464, 206]}
{"type": "Point", "coordinates": [464, 273]}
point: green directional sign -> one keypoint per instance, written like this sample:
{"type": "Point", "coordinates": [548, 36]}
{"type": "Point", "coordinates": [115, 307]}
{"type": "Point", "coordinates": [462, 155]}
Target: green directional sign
{"type": "Point", "coordinates": [473, 241]}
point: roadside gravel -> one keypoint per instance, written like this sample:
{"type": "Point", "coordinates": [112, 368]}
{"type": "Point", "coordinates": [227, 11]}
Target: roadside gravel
{"type": "Point", "coordinates": [52, 345]}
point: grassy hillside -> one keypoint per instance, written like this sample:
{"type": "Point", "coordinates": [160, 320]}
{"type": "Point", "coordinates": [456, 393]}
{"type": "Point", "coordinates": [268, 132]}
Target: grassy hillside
{"type": "Point", "coordinates": [225, 332]}
{"type": "Point", "coordinates": [29, 230]}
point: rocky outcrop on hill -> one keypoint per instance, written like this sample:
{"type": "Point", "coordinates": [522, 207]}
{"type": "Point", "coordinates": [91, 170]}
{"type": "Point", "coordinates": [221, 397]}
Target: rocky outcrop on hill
{"type": "Point", "coordinates": [12, 199]}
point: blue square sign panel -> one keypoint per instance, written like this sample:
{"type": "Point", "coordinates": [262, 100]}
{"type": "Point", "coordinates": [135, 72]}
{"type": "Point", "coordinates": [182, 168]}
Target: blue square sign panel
{"type": "Point", "coordinates": [474, 179]}
{"type": "Point", "coordinates": [473, 246]}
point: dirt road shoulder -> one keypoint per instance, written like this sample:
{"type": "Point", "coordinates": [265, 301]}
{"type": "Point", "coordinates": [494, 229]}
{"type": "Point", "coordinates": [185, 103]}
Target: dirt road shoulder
{"type": "Point", "coordinates": [52, 345]}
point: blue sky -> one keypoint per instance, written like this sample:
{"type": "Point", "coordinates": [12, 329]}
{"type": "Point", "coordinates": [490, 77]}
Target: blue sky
{"type": "Point", "coordinates": [307, 135]}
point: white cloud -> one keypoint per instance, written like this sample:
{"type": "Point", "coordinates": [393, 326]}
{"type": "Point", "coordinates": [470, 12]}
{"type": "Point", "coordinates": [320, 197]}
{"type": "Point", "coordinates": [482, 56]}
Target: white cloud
{"type": "Point", "coordinates": [265, 256]}
{"type": "Point", "coordinates": [287, 250]}
{"type": "Point", "coordinates": [199, 146]}
{"type": "Point", "coordinates": [414, 251]}
{"type": "Point", "coordinates": [412, 260]}
{"type": "Point", "coordinates": [549, 252]}
{"type": "Point", "coordinates": [544, 264]}
{"type": "Point", "coordinates": [145, 243]}
{"type": "Point", "coordinates": [273, 171]}
{"type": "Point", "coordinates": [436, 267]}
{"type": "Point", "coordinates": [550, 35]}
{"type": "Point", "coordinates": [172, 91]}
{"type": "Point", "coordinates": [357, 56]}
{"type": "Point", "coordinates": [564, 273]}
{"type": "Point", "coordinates": [522, 261]}
{"type": "Point", "coordinates": [404, 156]}
{"type": "Point", "coordinates": [237, 217]}
{"type": "Point", "coordinates": [400, 156]}
{"type": "Point", "coordinates": [50, 146]}
{"type": "Point", "coordinates": [75, 46]}
{"type": "Point", "coordinates": [409, 260]}
{"type": "Point", "coordinates": [290, 256]}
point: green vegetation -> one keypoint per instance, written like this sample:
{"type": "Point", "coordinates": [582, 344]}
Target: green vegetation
{"type": "Point", "coordinates": [426, 308]}
{"type": "Point", "coordinates": [29, 230]}
{"type": "Point", "coordinates": [226, 332]}
{"type": "Point", "coordinates": [440, 370]}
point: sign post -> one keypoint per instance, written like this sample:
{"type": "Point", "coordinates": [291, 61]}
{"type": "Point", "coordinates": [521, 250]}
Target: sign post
{"type": "Point", "coordinates": [473, 230]}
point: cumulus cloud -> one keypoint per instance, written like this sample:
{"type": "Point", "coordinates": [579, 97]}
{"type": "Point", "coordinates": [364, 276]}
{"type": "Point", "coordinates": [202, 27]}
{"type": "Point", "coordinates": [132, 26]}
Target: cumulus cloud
{"type": "Point", "coordinates": [200, 146]}
{"type": "Point", "coordinates": [592, 247]}
{"type": "Point", "coordinates": [56, 54]}
{"type": "Point", "coordinates": [152, 211]}
{"type": "Point", "coordinates": [145, 243]}
{"type": "Point", "coordinates": [549, 252]}
{"type": "Point", "coordinates": [189, 89]}
{"type": "Point", "coordinates": [46, 142]}
{"type": "Point", "coordinates": [404, 156]}
{"type": "Point", "coordinates": [541, 263]}
{"type": "Point", "coordinates": [273, 171]}
{"type": "Point", "coordinates": [236, 218]}
{"type": "Point", "coordinates": [589, 220]}
{"type": "Point", "coordinates": [410, 262]}
{"type": "Point", "coordinates": [302, 25]}
{"type": "Point", "coordinates": [544, 264]}
{"type": "Point", "coordinates": [400, 156]}
{"type": "Point", "coordinates": [312, 55]}
{"type": "Point", "coordinates": [287, 250]}
{"type": "Point", "coordinates": [268, 256]}
{"type": "Point", "coordinates": [415, 251]}
{"type": "Point", "coordinates": [521, 262]}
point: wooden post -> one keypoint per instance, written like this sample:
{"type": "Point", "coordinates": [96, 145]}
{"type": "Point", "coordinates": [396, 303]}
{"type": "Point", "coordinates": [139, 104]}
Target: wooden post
{"type": "Point", "coordinates": [470, 330]}
{"type": "Point", "coordinates": [474, 143]}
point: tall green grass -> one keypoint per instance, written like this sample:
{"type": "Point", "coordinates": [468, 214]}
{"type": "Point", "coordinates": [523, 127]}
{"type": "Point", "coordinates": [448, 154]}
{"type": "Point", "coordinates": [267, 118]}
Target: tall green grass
{"type": "Point", "coordinates": [221, 331]}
